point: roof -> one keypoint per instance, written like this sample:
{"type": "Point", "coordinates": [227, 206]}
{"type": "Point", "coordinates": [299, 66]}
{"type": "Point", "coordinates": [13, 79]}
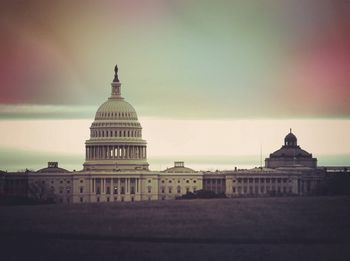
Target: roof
{"type": "Point", "coordinates": [52, 170]}
{"type": "Point", "coordinates": [116, 108]}
{"type": "Point", "coordinates": [287, 151]}
{"type": "Point", "coordinates": [179, 170]}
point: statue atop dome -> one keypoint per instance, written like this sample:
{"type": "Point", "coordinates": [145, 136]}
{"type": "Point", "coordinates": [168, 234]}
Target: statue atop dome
{"type": "Point", "coordinates": [116, 74]}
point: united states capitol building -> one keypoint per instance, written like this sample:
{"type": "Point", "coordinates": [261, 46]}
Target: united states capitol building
{"type": "Point", "coordinates": [116, 168]}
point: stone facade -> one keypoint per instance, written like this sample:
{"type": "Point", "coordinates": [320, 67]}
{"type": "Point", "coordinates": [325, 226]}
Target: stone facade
{"type": "Point", "coordinates": [116, 168]}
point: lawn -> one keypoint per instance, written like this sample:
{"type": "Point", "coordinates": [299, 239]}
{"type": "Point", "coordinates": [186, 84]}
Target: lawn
{"type": "Point", "coordinates": [295, 228]}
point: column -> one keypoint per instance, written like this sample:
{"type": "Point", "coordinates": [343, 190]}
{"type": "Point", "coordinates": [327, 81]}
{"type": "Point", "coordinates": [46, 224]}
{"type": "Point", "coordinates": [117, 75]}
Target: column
{"type": "Point", "coordinates": [113, 152]}
{"type": "Point", "coordinates": [118, 186]}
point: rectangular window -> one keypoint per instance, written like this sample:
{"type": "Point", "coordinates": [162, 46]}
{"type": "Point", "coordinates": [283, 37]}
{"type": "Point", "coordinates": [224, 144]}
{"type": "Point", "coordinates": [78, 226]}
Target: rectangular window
{"type": "Point", "coordinates": [98, 186]}
{"type": "Point", "coordinates": [115, 190]}
{"type": "Point", "coordinates": [108, 190]}
{"type": "Point", "coordinates": [149, 189]}
{"type": "Point", "coordinates": [132, 190]}
{"type": "Point", "coordinates": [81, 189]}
{"type": "Point", "coordinates": [170, 190]}
{"type": "Point", "coordinates": [251, 190]}
{"type": "Point", "coordinates": [81, 200]}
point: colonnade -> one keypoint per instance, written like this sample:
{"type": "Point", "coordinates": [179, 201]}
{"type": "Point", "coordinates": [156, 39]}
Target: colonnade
{"type": "Point", "coordinates": [115, 186]}
{"type": "Point", "coordinates": [116, 152]}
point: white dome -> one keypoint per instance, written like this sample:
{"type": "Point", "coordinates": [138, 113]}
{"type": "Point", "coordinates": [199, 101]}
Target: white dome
{"type": "Point", "coordinates": [114, 109]}
{"type": "Point", "coordinates": [116, 137]}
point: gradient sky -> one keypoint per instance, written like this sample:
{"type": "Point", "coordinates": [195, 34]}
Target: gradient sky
{"type": "Point", "coordinates": [273, 63]}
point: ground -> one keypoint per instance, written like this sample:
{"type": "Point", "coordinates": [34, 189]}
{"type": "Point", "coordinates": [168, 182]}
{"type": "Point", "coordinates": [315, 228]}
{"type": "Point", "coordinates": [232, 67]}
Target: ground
{"type": "Point", "coordinates": [293, 228]}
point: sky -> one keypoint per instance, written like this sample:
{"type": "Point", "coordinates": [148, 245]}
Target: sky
{"type": "Point", "coordinates": [209, 79]}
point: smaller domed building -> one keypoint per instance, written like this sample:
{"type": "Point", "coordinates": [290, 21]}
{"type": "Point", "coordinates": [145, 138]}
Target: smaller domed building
{"type": "Point", "coordinates": [290, 155]}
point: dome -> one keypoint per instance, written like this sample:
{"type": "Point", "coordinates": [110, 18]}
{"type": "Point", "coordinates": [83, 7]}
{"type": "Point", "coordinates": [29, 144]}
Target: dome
{"type": "Point", "coordinates": [116, 142]}
{"type": "Point", "coordinates": [179, 167]}
{"type": "Point", "coordinates": [290, 139]}
{"type": "Point", "coordinates": [116, 109]}
{"type": "Point", "coordinates": [52, 168]}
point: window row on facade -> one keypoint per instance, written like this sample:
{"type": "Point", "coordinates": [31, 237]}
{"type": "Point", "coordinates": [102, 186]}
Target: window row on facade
{"type": "Point", "coordinates": [115, 133]}
{"type": "Point", "coordinates": [172, 190]}
{"type": "Point", "coordinates": [261, 189]}
{"type": "Point", "coordinates": [262, 180]}
{"type": "Point", "coordinates": [118, 114]}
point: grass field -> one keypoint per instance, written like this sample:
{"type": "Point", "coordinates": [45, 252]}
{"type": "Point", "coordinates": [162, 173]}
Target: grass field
{"type": "Point", "coordinates": [307, 228]}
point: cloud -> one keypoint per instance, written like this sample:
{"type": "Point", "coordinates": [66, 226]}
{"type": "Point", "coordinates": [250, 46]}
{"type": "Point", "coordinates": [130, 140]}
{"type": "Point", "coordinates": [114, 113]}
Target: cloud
{"type": "Point", "coordinates": [46, 112]}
